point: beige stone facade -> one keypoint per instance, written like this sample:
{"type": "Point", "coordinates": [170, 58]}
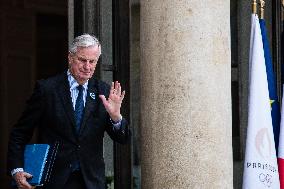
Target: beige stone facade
{"type": "Point", "coordinates": [188, 81]}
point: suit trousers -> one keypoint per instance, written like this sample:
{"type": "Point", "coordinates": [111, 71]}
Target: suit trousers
{"type": "Point", "coordinates": [75, 181]}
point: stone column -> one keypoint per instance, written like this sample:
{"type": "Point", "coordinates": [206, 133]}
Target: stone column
{"type": "Point", "coordinates": [186, 94]}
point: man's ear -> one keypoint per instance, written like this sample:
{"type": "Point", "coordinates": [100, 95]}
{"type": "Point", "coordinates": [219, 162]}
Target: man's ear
{"type": "Point", "coordinates": [70, 58]}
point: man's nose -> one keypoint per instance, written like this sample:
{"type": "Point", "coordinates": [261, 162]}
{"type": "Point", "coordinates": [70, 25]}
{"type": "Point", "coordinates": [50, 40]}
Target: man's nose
{"type": "Point", "coordinates": [87, 65]}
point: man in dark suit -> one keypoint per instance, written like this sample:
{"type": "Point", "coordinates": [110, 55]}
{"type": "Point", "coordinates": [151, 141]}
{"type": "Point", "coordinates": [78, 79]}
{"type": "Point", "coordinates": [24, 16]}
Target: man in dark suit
{"type": "Point", "coordinates": [73, 109]}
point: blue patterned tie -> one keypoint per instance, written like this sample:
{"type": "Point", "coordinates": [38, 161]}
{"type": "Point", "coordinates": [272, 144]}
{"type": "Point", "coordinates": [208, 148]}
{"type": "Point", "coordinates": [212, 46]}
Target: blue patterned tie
{"type": "Point", "coordinates": [79, 108]}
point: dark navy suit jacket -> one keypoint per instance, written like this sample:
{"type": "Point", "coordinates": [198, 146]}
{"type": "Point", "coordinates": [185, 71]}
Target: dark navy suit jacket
{"type": "Point", "coordinates": [50, 110]}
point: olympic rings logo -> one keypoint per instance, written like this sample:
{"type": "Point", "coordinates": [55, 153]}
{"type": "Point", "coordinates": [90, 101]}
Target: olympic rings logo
{"type": "Point", "coordinates": [265, 179]}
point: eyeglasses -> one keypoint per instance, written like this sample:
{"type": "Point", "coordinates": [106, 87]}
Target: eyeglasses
{"type": "Point", "coordinates": [83, 60]}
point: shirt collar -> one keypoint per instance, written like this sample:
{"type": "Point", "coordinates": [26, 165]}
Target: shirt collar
{"type": "Point", "coordinates": [73, 82]}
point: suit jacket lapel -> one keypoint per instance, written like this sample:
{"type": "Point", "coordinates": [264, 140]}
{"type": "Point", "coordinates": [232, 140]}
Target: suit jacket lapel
{"type": "Point", "coordinates": [64, 93]}
{"type": "Point", "coordinates": [92, 100]}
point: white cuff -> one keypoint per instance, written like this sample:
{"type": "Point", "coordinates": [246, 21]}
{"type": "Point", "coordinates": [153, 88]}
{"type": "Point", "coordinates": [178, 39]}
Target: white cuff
{"type": "Point", "coordinates": [116, 125]}
{"type": "Point", "coordinates": [14, 171]}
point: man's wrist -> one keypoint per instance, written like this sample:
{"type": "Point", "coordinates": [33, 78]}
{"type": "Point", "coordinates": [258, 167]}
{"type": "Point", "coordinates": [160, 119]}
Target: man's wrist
{"type": "Point", "coordinates": [14, 171]}
{"type": "Point", "coordinates": [116, 119]}
{"type": "Point", "coordinates": [116, 125]}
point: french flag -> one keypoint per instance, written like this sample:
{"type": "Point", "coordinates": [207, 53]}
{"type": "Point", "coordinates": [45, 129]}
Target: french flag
{"type": "Point", "coordinates": [274, 103]}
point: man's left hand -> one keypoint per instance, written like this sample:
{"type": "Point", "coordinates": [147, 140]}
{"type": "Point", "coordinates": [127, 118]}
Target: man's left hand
{"type": "Point", "coordinates": [113, 103]}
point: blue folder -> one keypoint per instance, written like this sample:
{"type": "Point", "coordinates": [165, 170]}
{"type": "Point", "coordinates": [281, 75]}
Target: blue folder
{"type": "Point", "coordinates": [35, 157]}
{"type": "Point", "coordinates": [38, 161]}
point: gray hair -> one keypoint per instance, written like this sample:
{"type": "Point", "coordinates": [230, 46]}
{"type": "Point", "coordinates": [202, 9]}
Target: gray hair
{"type": "Point", "coordinates": [85, 40]}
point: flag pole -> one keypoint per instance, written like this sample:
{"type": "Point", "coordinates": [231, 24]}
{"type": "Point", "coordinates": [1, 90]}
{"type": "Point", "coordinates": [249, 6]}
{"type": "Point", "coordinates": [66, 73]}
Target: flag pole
{"type": "Point", "coordinates": [254, 6]}
{"type": "Point", "coordinates": [262, 4]}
